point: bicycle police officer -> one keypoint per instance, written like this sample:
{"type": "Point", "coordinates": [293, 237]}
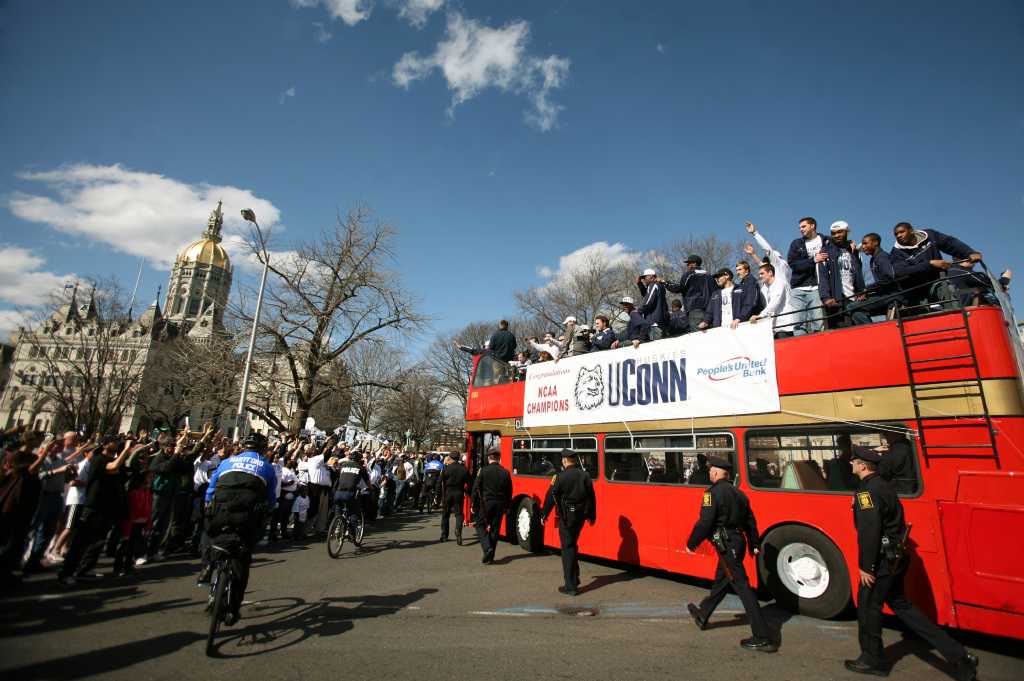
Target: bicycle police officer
{"type": "Point", "coordinates": [572, 492]}
{"type": "Point", "coordinates": [454, 479]}
{"type": "Point", "coordinates": [882, 546]}
{"type": "Point", "coordinates": [431, 477]}
{"type": "Point", "coordinates": [492, 494]}
{"type": "Point", "coordinates": [350, 471]}
{"type": "Point", "coordinates": [725, 517]}
{"type": "Point", "coordinates": [239, 499]}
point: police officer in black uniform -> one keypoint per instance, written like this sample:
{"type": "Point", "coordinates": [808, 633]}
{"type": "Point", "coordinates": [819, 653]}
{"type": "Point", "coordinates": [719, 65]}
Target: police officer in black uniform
{"type": "Point", "coordinates": [492, 494]}
{"type": "Point", "coordinates": [727, 521]}
{"type": "Point", "coordinates": [882, 560]}
{"type": "Point", "coordinates": [572, 492]}
{"type": "Point", "coordinates": [346, 488]}
{"type": "Point", "coordinates": [454, 479]}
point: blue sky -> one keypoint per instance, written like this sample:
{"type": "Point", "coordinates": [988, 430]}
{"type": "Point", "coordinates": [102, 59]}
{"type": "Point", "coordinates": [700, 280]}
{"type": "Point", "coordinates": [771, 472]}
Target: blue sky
{"type": "Point", "coordinates": [498, 136]}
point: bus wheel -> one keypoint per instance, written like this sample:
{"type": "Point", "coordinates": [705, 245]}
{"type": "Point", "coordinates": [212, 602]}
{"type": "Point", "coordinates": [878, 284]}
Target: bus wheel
{"type": "Point", "coordinates": [528, 528]}
{"type": "Point", "coordinates": [804, 571]}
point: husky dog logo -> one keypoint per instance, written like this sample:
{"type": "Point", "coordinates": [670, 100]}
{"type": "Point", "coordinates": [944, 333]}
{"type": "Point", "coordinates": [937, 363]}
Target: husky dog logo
{"type": "Point", "coordinates": [589, 392]}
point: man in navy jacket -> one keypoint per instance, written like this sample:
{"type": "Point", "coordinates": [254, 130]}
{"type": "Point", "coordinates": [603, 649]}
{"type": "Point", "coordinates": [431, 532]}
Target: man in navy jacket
{"type": "Point", "coordinates": [696, 287]}
{"type": "Point", "coordinates": [840, 278]}
{"type": "Point", "coordinates": [804, 255]}
{"type": "Point", "coordinates": [730, 304]}
{"type": "Point", "coordinates": [653, 304]}
{"type": "Point", "coordinates": [917, 258]}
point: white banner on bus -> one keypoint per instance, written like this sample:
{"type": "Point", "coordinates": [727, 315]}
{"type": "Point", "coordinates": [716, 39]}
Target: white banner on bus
{"type": "Point", "coordinates": [713, 373]}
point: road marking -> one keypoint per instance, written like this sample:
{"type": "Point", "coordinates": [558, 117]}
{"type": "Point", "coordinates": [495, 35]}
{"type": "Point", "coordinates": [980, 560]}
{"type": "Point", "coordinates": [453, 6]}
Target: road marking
{"type": "Point", "coordinates": [495, 613]}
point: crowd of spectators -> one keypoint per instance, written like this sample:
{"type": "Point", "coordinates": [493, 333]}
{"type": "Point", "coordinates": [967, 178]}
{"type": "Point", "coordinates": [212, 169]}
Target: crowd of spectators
{"type": "Point", "coordinates": [137, 498]}
{"type": "Point", "coordinates": [822, 283]}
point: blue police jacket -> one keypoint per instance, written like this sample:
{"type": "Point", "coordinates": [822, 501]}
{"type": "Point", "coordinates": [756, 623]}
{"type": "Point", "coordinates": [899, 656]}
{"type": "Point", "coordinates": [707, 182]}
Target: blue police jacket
{"type": "Point", "coordinates": [249, 463]}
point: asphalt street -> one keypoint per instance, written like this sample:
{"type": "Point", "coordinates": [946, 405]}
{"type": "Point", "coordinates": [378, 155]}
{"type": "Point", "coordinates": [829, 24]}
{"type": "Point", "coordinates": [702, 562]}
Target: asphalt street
{"type": "Point", "coordinates": [407, 607]}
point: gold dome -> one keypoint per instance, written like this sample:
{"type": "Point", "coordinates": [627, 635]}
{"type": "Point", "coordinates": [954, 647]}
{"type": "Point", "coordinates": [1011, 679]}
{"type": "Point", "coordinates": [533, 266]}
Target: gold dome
{"type": "Point", "coordinates": [206, 252]}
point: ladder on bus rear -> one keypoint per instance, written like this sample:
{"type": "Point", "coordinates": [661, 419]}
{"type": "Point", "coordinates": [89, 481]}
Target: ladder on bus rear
{"type": "Point", "coordinates": [942, 365]}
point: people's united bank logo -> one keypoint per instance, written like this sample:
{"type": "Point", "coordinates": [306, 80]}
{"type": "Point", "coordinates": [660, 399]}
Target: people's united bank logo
{"type": "Point", "coordinates": [734, 367]}
{"type": "Point", "coordinates": [589, 393]}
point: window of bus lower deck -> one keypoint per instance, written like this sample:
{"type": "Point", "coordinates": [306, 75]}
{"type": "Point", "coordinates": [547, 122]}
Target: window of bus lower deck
{"type": "Point", "coordinates": [542, 456]}
{"type": "Point", "coordinates": [665, 458]}
{"type": "Point", "coordinates": [817, 459]}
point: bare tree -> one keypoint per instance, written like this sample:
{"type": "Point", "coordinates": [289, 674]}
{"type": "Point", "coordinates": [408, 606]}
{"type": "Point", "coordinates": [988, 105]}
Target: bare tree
{"type": "Point", "coordinates": [326, 297]}
{"type": "Point", "coordinates": [87, 360]}
{"type": "Point", "coordinates": [450, 366]}
{"type": "Point", "coordinates": [593, 287]}
{"type": "Point", "coordinates": [416, 408]}
{"type": "Point", "coordinates": [715, 252]}
{"type": "Point", "coordinates": [196, 374]}
{"type": "Point", "coordinates": [376, 369]}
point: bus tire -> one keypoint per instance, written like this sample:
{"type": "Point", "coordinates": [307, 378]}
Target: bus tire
{"type": "Point", "coordinates": [528, 531]}
{"type": "Point", "coordinates": [804, 571]}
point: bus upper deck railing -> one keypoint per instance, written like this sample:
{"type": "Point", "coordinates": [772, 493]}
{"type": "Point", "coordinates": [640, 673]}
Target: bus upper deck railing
{"type": "Point", "coordinates": [942, 295]}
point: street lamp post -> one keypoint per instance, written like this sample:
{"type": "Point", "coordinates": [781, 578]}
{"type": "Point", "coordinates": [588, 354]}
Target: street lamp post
{"type": "Point", "coordinates": [250, 216]}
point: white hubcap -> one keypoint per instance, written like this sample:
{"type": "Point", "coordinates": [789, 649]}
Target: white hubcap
{"type": "Point", "coordinates": [802, 570]}
{"type": "Point", "coordinates": [523, 523]}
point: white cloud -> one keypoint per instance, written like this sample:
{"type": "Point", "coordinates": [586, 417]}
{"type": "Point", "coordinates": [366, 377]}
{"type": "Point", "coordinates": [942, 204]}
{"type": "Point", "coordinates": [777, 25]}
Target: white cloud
{"type": "Point", "coordinates": [581, 258]}
{"type": "Point", "coordinates": [138, 213]}
{"type": "Point", "coordinates": [322, 34]}
{"type": "Point", "coordinates": [349, 11]}
{"type": "Point", "coordinates": [290, 92]}
{"type": "Point", "coordinates": [416, 12]}
{"type": "Point", "coordinates": [473, 57]}
{"type": "Point", "coordinates": [22, 282]}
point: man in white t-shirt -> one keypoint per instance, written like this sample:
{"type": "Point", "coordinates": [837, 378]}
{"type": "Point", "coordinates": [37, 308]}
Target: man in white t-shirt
{"type": "Point", "coordinates": [778, 304]}
{"type": "Point", "coordinates": [804, 255]}
{"type": "Point", "coordinates": [841, 279]}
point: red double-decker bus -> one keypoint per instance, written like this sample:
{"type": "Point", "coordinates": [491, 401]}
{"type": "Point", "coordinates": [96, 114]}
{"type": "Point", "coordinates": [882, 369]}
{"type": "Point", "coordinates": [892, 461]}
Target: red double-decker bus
{"type": "Point", "coordinates": [951, 379]}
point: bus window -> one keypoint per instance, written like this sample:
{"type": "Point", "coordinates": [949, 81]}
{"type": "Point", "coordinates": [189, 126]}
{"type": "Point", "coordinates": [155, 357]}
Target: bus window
{"type": "Point", "coordinates": [482, 443]}
{"type": "Point", "coordinates": [816, 460]}
{"type": "Point", "coordinates": [492, 371]}
{"type": "Point", "coordinates": [543, 456]}
{"type": "Point", "coordinates": [664, 459]}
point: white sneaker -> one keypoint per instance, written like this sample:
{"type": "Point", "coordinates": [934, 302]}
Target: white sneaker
{"type": "Point", "coordinates": [140, 561]}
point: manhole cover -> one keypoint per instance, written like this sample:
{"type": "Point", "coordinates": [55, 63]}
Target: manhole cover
{"type": "Point", "coordinates": [579, 612]}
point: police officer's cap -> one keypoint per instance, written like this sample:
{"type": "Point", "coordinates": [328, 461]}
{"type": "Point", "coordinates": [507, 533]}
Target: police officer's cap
{"type": "Point", "coordinates": [568, 454]}
{"type": "Point", "coordinates": [718, 462]}
{"type": "Point", "coordinates": [254, 442]}
{"type": "Point", "coordinates": [865, 454]}
{"type": "Point", "coordinates": [494, 452]}
{"type": "Point", "coordinates": [356, 456]}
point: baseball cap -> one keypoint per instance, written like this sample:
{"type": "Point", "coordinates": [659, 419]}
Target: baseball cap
{"type": "Point", "coordinates": [649, 272]}
{"type": "Point", "coordinates": [568, 319]}
{"type": "Point", "coordinates": [840, 225]}
{"type": "Point", "coordinates": [627, 300]}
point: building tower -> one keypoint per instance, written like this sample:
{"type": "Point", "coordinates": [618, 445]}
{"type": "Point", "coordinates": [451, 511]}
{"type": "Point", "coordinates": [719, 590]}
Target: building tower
{"type": "Point", "coordinates": [201, 279]}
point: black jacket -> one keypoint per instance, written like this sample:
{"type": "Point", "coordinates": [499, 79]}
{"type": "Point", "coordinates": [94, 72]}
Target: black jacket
{"type": "Point", "coordinates": [696, 288]}
{"type": "Point", "coordinates": [723, 505]}
{"type": "Point", "coordinates": [883, 272]}
{"type": "Point", "coordinates": [493, 484]}
{"type": "Point", "coordinates": [454, 479]}
{"type": "Point", "coordinates": [805, 271]}
{"type": "Point", "coordinates": [602, 340]}
{"type": "Point", "coordinates": [572, 487]}
{"type": "Point", "coordinates": [503, 345]}
{"type": "Point", "coordinates": [653, 304]}
{"type": "Point", "coordinates": [877, 512]}
{"type": "Point", "coordinates": [638, 328]}
{"type": "Point", "coordinates": [913, 263]}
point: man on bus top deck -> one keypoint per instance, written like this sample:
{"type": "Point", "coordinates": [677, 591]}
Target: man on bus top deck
{"type": "Point", "coordinates": [239, 498]}
{"type": "Point", "coordinates": [881, 544]}
{"type": "Point", "coordinates": [917, 258]}
{"type": "Point", "coordinates": [728, 523]}
{"type": "Point", "coordinates": [696, 287]}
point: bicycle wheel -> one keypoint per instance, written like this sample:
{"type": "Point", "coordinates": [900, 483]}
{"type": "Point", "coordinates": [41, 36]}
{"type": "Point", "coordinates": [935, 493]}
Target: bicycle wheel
{"type": "Point", "coordinates": [360, 529]}
{"type": "Point", "coordinates": [336, 536]}
{"type": "Point", "coordinates": [220, 587]}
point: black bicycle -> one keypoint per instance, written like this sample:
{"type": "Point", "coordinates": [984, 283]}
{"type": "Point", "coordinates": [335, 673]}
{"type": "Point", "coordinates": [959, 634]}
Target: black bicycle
{"type": "Point", "coordinates": [341, 529]}
{"type": "Point", "coordinates": [223, 582]}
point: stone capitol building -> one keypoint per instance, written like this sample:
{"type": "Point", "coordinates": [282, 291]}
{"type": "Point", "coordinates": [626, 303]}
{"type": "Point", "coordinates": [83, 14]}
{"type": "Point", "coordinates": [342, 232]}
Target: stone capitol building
{"type": "Point", "coordinates": [56, 350]}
